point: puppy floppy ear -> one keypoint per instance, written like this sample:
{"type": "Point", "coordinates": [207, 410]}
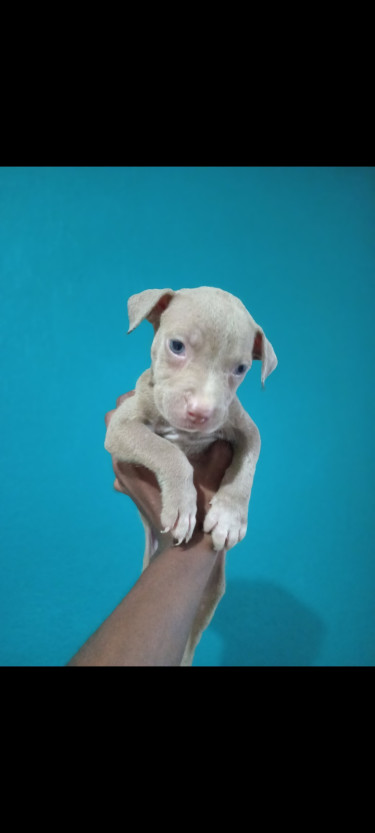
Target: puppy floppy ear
{"type": "Point", "coordinates": [262, 349]}
{"type": "Point", "coordinates": [149, 304]}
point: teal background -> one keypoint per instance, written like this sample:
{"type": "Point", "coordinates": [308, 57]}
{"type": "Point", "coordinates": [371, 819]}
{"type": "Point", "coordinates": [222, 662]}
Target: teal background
{"type": "Point", "coordinates": [297, 246]}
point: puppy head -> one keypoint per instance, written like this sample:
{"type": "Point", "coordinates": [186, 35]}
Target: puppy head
{"type": "Point", "coordinates": [205, 342]}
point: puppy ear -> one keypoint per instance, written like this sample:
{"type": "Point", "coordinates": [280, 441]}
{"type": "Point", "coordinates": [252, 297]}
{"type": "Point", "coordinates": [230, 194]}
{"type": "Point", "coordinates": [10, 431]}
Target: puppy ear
{"type": "Point", "coordinates": [149, 304]}
{"type": "Point", "coordinates": [262, 349]}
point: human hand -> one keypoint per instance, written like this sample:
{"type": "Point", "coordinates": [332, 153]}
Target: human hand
{"type": "Point", "coordinates": [141, 485]}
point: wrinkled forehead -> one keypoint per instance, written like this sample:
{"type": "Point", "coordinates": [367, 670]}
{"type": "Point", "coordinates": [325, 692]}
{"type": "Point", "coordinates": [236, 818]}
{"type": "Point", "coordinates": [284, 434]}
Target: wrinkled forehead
{"type": "Point", "coordinates": [207, 314]}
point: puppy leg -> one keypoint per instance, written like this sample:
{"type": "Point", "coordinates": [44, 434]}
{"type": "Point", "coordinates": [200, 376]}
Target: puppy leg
{"type": "Point", "coordinates": [129, 440]}
{"type": "Point", "coordinates": [226, 518]}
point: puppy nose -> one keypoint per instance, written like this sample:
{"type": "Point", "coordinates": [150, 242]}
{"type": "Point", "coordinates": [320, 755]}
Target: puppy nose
{"type": "Point", "coordinates": [199, 411]}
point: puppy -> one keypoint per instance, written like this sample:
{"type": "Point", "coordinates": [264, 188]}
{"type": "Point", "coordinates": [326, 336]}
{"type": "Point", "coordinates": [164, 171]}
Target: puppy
{"type": "Point", "coordinates": [204, 345]}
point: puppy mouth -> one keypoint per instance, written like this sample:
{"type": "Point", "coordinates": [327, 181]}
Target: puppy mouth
{"type": "Point", "coordinates": [203, 425]}
{"type": "Point", "coordinates": [198, 425]}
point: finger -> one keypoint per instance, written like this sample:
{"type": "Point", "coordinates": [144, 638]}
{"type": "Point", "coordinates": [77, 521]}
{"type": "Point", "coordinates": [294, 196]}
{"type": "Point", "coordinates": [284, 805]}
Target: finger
{"type": "Point", "coordinates": [210, 466]}
{"type": "Point", "coordinates": [221, 453]}
{"type": "Point", "coordinates": [124, 396]}
{"type": "Point", "coordinates": [108, 416]}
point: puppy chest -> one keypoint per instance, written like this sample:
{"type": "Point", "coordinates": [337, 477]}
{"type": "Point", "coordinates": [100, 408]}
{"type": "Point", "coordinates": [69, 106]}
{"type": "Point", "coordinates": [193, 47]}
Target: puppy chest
{"type": "Point", "coordinates": [189, 443]}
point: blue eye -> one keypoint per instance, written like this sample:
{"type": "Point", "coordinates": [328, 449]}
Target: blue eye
{"type": "Point", "coordinates": [176, 346]}
{"type": "Point", "coordinates": [240, 369]}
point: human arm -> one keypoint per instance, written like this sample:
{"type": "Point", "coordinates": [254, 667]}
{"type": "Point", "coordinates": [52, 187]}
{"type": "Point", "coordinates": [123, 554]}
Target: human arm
{"type": "Point", "coordinates": [152, 623]}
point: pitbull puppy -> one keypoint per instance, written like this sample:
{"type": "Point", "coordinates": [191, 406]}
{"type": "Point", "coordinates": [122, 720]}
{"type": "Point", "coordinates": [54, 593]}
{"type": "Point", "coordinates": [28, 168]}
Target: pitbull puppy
{"type": "Point", "coordinates": [205, 342]}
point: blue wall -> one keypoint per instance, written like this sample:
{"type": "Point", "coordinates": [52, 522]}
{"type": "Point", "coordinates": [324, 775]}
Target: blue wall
{"type": "Point", "coordinates": [297, 246]}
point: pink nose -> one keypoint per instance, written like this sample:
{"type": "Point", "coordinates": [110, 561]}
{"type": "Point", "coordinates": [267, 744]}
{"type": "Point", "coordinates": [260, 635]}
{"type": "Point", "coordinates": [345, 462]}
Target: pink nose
{"type": "Point", "coordinates": [197, 412]}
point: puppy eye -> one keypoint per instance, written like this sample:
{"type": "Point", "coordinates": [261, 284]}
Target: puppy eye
{"type": "Point", "coordinates": [240, 369]}
{"type": "Point", "coordinates": [176, 346]}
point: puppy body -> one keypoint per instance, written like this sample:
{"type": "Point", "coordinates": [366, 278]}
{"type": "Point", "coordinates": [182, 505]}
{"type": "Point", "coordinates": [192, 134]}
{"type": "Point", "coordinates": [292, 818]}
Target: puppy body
{"type": "Point", "coordinates": [205, 342]}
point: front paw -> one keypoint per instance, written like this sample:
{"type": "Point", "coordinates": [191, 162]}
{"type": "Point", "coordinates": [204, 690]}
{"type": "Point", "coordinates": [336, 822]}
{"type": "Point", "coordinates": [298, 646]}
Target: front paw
{"type": "Point", "coordinates": [227, 521]}
{"type": "Point", "coordinates": [179, 513]}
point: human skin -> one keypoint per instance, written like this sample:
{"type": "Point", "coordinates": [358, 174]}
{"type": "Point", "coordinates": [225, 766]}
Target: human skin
{"type": "Point", "coordinates": [152, 623]}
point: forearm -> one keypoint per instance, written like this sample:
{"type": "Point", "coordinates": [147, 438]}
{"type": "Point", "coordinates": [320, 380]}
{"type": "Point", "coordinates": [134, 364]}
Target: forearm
{"type": "Point", "coordinates": [152, 623]}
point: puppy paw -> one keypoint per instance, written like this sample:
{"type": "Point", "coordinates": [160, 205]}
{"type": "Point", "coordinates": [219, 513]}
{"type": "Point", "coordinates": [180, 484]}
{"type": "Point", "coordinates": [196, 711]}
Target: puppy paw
{"type": "Point", "coordinates": [226, 520]}
{"type": "Point", "coordinates": [178, 515]}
